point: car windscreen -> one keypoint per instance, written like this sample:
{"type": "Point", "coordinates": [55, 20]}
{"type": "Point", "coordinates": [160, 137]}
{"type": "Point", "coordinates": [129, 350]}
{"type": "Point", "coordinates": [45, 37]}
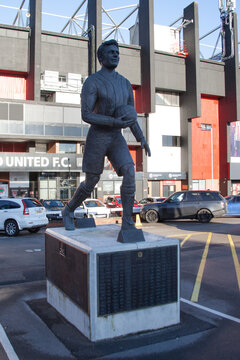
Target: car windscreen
{"type": "Point", "coordinates": [53, 204]}
{"type": "Point", "coordinates": [93, 203]}
{"type": "Point", "coordinates": [32, 203]}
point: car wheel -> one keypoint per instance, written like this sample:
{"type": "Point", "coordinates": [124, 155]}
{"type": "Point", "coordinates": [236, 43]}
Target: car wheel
{"type": "Point", "coordinates": [34, 230]}
{"type": "Point", "coordinates": [11, 228]}
{"type": "Point", "coordinates": [152, 216]}
{"type": "Point", "coordinates": [204, 215]}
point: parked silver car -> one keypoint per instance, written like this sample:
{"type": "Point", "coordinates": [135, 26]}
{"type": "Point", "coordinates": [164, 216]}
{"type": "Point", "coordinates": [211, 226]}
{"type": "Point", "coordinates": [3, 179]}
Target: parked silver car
{"type": "Point", "coordinates": [92, 208]}
{"type": "Point", "coordinates": [53, 209]}
{"type": "Point", "coordinates": [151, 200]}
{"type": "Point", "coordinates": [202, 205]}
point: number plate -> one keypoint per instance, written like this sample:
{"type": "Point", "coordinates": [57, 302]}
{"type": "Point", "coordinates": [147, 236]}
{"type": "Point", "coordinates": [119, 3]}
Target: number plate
{"type": "Point", "coordinates": [39, 211]}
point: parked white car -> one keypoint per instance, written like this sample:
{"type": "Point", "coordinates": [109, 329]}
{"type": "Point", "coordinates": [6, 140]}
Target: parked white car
{"type": "Point", "coordinates": [19, 214]}
{"type": "Point", "coordinates": [92, 208]}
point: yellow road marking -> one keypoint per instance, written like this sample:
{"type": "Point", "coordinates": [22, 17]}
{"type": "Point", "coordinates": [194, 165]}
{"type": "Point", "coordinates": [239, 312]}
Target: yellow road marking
{"type": "Point", "coordinates": [180, 235]}
{"type": "Point", "coordinates": [184, 240]}
{"type": "Point", "coordinates": [198, 281]}
{"type": "Point", "coordinates": [235, 259]}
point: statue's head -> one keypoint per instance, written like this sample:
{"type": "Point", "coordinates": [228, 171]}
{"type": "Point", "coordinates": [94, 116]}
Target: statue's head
{"type": "Point", "coordinates": [108, 54]}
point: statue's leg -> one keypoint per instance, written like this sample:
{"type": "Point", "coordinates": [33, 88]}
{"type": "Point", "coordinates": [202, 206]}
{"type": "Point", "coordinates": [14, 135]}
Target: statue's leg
{"type": "Point", "coordinates": [127, 195]}
{"type": "Point", "coordinates": [83, 191]}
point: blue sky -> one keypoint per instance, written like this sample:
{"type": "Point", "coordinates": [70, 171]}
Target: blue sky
{"type": "Point", "coordinates": [165, 12]}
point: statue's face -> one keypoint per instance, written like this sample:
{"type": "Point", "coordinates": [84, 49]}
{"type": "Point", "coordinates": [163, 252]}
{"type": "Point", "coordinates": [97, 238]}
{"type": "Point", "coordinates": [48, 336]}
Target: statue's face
{"type": "Point", "coordinates": [110, 57]}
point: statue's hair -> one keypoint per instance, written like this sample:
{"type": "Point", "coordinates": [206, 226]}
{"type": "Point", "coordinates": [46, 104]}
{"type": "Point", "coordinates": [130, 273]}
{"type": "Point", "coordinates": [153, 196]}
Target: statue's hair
{"type": "Point", "coordinates": [102, 47]}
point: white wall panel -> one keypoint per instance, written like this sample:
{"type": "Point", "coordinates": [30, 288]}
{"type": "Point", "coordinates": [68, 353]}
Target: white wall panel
{"type": "Point", "coordinates": [165, 121]}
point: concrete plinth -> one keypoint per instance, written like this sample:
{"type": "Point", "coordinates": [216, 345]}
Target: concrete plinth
{"type": "Point", "coordinates": [109, 289]}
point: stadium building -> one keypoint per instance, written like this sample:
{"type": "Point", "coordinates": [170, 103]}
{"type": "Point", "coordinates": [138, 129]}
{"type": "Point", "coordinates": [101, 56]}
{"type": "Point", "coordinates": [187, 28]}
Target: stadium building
{"type": "Point", "coordinates": [188, 107]}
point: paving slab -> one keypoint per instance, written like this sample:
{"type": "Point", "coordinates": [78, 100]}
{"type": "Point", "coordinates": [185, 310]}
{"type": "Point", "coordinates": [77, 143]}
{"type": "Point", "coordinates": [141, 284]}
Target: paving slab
{"type": "Point", "coordinates": [83, 349]}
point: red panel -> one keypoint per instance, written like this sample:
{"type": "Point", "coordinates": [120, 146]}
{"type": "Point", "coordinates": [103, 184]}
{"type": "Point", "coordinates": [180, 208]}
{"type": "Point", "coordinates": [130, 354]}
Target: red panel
{"type": "Point", "coordinates": [169, 182]}
{"type": "Point", "coordinates": [139, 101]}
{"type": "Point", "coordinates": [201, 141]}
{"type": "Point", "coordinates": [12, 147]}
{"type": "Point", "coordinates": [12, 87]}
{"type": "Point", "coordinates": [136, 153]}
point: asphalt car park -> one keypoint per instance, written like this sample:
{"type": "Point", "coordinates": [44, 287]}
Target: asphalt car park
{"type": "Point", "coordinates": [210, 295]}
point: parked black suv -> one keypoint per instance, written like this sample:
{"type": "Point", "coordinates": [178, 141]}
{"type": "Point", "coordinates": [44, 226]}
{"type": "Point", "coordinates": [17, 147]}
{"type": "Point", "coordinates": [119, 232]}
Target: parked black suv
{"type": "Point", "coordinates": [202, 205]}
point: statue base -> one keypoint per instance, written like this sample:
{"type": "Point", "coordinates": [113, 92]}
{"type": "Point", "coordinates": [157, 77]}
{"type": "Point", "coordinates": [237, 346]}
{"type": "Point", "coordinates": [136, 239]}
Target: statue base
{"type": "Point", "coordinates": [107, 289]}
{"type": "Point", "coordinates": [85, 223]}
{"type": "Point", "coordinates": [130, 236]}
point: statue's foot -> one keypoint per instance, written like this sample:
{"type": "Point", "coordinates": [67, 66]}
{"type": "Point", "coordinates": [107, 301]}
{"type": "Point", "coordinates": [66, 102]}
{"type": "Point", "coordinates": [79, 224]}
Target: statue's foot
{"type": "Point", "coordinates": [128, 224]}
{"type": "Point", "coordinates": [68, 218]}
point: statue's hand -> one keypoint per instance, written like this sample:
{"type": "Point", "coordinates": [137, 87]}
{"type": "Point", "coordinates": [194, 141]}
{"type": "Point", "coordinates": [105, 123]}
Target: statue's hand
{"type": "Point", "coordinates": [145, 146]}
{"type": "Point", "coordinates": [123, 124]}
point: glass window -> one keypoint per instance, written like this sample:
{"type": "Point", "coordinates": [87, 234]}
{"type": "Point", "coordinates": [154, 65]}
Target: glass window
{"type": "Point", "coordinates": [34, 129]}
{"type": "Point", "coordinates": [108, 187]}
{"type": "Point", "coordinates": [93, 203]}
{"type": "Point", "coordinates": [175, 99]}
{"type": "Point", "coordinates": [43, 184]}
{"type": "Point", "coordinates": [32, 203]}
{"type": "Point", "coordinates": [52, 193]}
{"type": "Point", "coordinates": [193, 196]}
{"type": "Point", "coordinates": [64, 194]}
{"type": "Point", "coordinates": [73, 130]}
{"type": "Point", "coordinates": [168, 140]}
{"type": "Point", "coordinates": [5, 204]}
{"type": "Point", "coordinates": [53, 130]}
{"type": "Point", "coordinates": [15, 127]}
{"type": "Point", "coordinates": [211, 195]}
{"type": "Point", "coordinates": [177, 197]}
{"type": "Point", "coordinates": [168, 190]}
{"type": "Point", "coordinates": [69, 148]}
{"type": "Point", "coordinates": [206, 127]}
{"type": "Point", "coordinates": [199, 184]}
{"type": "Point", "coordinates": [2, 204]}
{"type": "Point", "coordinates": [68, 184]}
{"type": "Point", "coordinates": [117, 185]}
{"type": "Point", "coordinates": [85, 130]}
{"type": "Point", "coordinates": [167, 98]}
{"type": "Point", "coordinates": [62, 78]}
{"type": "Point", "coordinates": [53, 204]}
{"type": "Point", "coordinates": [52, 184]}
{"type": "Point", "coordinates": [48, 185]}
{"type": "Point", "coordinates": [43, 194]}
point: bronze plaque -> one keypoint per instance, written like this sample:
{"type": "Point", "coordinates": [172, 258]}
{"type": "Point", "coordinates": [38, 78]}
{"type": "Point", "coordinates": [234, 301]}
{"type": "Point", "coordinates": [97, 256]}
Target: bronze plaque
{"type": "Point", "coordinates": [130, 280]}
{"type": "Point", "coordinates": [67, 268]}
